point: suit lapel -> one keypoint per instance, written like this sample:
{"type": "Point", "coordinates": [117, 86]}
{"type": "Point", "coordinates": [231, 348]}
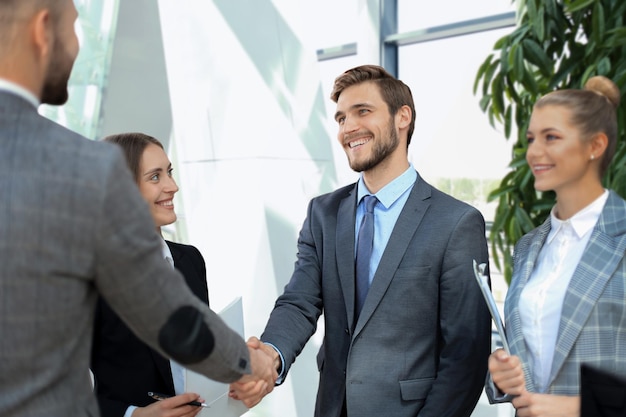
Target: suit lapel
{"type": "Point", "coordinates": [528, 258]}
{"type": "Point", "coordinates": [176, 253]}
{"type": "Point", "coordinates": [601, 257]}
{"type": "Point", "coordinates": [346, 217]}
{"type": "Point", "coordinates": [403, 232]}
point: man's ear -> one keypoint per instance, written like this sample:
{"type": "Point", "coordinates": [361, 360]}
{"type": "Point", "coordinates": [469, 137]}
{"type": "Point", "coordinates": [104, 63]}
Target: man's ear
{"type": "Point", "coordinates": [42, 33]}
{"type": "Point", "coordinates": [403, 117]}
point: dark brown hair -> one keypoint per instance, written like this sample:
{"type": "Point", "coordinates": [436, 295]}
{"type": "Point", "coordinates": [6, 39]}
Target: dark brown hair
{"type": "Point", "coordinates": [133, 144]}
{"type": "Point", "coordinates": [394, 92]}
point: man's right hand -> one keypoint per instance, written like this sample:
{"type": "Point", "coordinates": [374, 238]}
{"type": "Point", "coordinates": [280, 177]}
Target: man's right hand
{"type": "Point", "coordinates": [251, 389]}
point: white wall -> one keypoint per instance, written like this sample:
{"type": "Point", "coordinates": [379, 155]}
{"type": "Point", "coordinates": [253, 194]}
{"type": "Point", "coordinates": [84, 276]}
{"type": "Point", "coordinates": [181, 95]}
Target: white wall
{"type": "Point", "coordinates": [252, 148]}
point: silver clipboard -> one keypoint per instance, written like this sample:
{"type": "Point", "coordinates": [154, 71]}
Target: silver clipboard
{"type": "Point", "coordinates": [483, 283]}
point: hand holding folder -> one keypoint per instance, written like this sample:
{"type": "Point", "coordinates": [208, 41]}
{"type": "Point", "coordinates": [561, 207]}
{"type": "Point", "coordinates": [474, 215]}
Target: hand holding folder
{"type": "Point", "coordinates": [483, 283]}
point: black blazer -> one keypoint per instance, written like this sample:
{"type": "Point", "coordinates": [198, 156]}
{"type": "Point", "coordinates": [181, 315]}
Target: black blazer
{"type": "Point", "coordinates": [602, 392]}
{"type": "Point", "coordinates": [125, 368]}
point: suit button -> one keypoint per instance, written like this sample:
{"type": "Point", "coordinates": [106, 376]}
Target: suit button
{"type": "Point", "coordinates": [347, 331]}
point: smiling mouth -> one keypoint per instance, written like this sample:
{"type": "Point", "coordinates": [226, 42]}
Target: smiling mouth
{"type": "Point", "coordinates": [167, 204]}
{"type": "Point", "coordinates": [541, 168]}
{"type": "Point", "coordinates": [359, 142]}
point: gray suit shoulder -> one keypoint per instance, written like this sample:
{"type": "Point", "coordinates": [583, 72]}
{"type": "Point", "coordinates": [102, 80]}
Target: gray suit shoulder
{"type": "Point", "coordinates": [447, 202]}
{"type": "Point", "coordinates": [71, 148]}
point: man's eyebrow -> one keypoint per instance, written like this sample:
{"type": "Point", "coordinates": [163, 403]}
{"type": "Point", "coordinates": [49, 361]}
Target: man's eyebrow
{"type": "Point", "coordinates": [353, 107]}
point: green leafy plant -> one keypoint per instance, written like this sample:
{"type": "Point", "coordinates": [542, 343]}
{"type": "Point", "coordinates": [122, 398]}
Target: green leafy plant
{"type": "Point", "coordinates": [556, 44]}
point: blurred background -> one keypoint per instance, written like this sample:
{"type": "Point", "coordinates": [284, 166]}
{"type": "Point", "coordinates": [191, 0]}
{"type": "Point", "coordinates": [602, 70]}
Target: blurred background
{"type": "Point", "coordinates": [238, 92]}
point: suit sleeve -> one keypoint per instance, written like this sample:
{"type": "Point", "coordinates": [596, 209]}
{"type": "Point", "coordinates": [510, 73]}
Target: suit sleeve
{"type": "Point", "coordinates": [493, 394]}
{"type": "Point", "coordinates": [153, 301]}
{"type": "Point", "coordinates": [294, 317]}
{"type": "Point", "coordinates": [464, 323]}
{"type": "Point", "coordinates": [200, 266]}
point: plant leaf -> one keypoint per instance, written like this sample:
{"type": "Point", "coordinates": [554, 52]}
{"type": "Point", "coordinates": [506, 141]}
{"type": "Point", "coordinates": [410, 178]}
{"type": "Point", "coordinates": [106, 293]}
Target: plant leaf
{"type": "Point", "coordinates": [577, 5]}
{"type": "Point", "coordinates": [537, 56]}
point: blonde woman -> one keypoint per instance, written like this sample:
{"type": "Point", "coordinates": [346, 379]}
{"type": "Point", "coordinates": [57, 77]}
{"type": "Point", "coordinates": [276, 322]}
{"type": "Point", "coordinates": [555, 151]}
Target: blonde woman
{"type": "Point", "coordinates": [567, 301]}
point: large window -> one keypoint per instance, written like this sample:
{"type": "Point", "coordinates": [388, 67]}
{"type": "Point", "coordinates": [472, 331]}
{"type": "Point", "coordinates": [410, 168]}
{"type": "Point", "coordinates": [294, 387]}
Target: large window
{"type": "Point", "coordinates": [454, 147]}
{"type": "Point", "coordinates": [95, 28]}
{"type": "Point", "coordinates": [413, 15]}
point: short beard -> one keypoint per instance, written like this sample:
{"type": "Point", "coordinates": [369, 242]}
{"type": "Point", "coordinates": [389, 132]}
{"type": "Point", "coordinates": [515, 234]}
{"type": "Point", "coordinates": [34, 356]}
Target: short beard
{"type": "Point", "coordinates": [381, 150]}
{"type": "Point", "coordinates": [54, 90]}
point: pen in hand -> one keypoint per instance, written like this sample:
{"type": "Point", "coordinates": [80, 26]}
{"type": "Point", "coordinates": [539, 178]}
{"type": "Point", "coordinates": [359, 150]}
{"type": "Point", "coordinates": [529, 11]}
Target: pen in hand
{"type": "Point", "coordinates": [160, 397]}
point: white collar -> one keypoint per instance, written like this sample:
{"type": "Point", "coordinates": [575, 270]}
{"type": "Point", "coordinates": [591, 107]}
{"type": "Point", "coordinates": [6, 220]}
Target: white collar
{"type": "Point", "coordinates": [581, 222]}
{"type": "Point", "coordinates": [20, 91]}
{"type": "Point", "coordinates": [166, 250]}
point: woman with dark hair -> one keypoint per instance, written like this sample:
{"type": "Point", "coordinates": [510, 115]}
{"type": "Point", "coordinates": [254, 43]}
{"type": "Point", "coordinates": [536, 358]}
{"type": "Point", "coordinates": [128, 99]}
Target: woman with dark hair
{"type": "Point", "coordinates": [566, 305]}
{"type": "Point", "coordinates": [124, 368]}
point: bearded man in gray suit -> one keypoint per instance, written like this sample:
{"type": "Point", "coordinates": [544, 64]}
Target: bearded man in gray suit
{"type": "Point", "coordinates": [72, 225]}
{"type": "Point", "coordinates": [413, 340]}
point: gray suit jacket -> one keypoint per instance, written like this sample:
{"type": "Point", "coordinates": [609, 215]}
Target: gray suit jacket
{"type": "Point", "coordinates": [592, 329]}
{"type": "Point", "coordinates": [72, 226]}
{"type": "Point", "coordinates": [420, 345]}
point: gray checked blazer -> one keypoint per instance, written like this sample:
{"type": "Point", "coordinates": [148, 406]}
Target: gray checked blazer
{"type": "Point", "coordinates": [72, 226]}
{"type": "Point", "coordinates": [593, 320]}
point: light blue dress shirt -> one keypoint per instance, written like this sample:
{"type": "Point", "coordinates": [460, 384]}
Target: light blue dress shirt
{"type": "Point", "coordinates": [391, 200]}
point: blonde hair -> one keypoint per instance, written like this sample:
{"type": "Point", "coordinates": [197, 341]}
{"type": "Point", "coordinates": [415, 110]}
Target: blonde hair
{"type": "Point", "coordinates": [593, 110]}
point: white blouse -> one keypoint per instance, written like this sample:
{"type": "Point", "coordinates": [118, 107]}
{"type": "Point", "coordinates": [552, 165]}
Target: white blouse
{"type": "Point", "coordinates": [541, 300]}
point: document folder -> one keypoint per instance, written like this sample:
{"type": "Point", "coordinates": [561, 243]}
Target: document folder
{"type": "Point", "coordinates": [483, 283]}
{"type": "Point", "coordinates": [215, 393]}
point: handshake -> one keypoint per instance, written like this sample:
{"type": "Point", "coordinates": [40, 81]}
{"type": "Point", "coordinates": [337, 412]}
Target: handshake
{"type": "Point", "coordinates": [265, 362]}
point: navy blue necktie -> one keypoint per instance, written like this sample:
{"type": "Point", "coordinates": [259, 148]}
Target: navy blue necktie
{"type": "Point", "coordinates": [365, 243]}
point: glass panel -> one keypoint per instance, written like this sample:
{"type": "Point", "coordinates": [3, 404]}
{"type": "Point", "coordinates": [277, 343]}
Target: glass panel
{"type": "Point", "coordinates": [454, 147]}
{"type": "Point", "coordinates": [414, 15]}
{"type": "Point", "coordinates": [95, 28]}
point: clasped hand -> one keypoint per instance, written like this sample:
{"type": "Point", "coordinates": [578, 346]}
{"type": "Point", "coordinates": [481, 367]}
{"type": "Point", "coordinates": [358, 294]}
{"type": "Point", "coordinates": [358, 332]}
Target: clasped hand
{"type": "Point", "coordinates": [251, 389]}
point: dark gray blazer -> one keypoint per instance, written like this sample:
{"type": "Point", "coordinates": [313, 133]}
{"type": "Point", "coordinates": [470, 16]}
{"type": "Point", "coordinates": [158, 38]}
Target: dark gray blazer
{"type": "Point", "coordinates": [72, 226]}
{"type": "Point", "coordinates": [420, 345]}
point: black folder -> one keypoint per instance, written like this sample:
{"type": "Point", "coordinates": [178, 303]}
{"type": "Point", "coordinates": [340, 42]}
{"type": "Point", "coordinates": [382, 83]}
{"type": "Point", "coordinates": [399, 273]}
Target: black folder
{"type": "Point", "coordinates": [602, 393]}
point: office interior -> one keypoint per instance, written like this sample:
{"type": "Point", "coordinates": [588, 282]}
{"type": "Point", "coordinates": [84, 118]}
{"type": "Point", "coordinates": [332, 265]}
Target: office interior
{"type": "Point", "coordinates": [238, 92]}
